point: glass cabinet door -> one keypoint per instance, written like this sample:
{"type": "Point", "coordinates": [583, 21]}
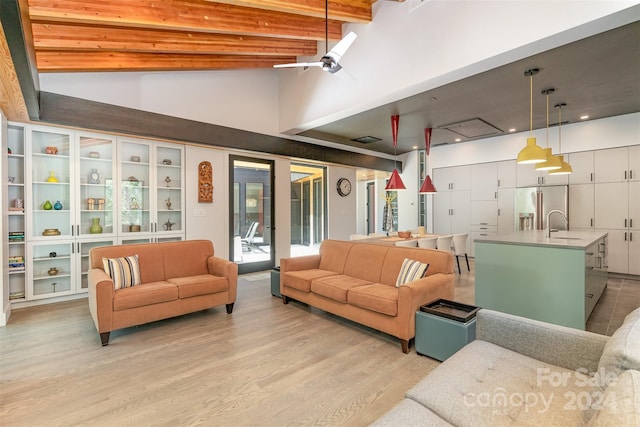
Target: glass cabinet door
{"type": "Point", "coordinates": [16, 219]}
{"type": "Point", "coordinates": [134, 177]}
{"type": "Point", "coordinates": [51, 270]}
{"type": "Point", "coordinates": [169, 194]}
{"type": "Point", "coordinates": [50, 204]}
{"type": "Point", "coordinates": [96, 204]}
{"type": "Point", "coordinates": [83, 262]}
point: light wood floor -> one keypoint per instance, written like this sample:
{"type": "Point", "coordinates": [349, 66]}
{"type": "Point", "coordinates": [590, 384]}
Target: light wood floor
{"type": "Point", "coordinates": [267, 364]}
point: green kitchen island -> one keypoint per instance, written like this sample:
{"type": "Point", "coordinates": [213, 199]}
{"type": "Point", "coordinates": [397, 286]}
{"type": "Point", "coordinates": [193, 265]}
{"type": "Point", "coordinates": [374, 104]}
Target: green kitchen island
{"type": "Point", "coordinates": [557, 280]}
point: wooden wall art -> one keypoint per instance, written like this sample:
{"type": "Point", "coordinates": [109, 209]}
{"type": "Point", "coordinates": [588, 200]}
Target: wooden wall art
{"type": "Point", "coordinates": [205, 183]}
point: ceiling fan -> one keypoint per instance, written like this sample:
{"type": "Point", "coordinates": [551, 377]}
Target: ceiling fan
{"type": "Point", "coordinates": [329, 62]}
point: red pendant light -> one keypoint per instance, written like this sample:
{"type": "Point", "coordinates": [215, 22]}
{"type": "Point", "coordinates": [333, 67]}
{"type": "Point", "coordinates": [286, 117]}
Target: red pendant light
{"type": "Point", "coordinates": [427, 185]}
{"type": "Point", "coordinates": [395, 182]}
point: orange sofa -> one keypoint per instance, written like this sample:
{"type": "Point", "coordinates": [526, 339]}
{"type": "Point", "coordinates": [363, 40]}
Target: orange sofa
{"type": "Point", "coordinates": [357, 281]}
{"type": "Point", "coordinates": [176, 278]}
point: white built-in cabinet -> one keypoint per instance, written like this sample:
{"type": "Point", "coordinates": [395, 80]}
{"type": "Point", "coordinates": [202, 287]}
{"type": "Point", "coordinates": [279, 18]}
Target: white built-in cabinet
{"type": "Point", "coordinates": [617, 205]}
{"type": "Point", "coordinates": [67, 193]}
{"type": "Point", "coordinates": [151, 198]}
{"type": "Point", "coordinates": [527, 176]}
{"type": "Point", "coordinates": [451, 202]}
{"type": "Point", "coordinates": [582, 164]}
{"type": "Point", "coordinates": [604, 195]}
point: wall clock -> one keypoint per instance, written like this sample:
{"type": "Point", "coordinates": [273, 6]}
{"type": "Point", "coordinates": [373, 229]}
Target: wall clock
{"type": "Point", "coordinates": [343, 187]}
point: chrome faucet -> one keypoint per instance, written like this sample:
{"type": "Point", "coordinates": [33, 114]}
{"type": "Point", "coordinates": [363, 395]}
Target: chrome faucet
{"type": "Point", "coordinates": [549, 229]}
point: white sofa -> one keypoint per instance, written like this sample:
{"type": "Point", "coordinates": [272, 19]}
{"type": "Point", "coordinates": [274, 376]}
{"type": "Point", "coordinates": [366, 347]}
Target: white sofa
{"type": "Point", "coordinates": [529, 373]}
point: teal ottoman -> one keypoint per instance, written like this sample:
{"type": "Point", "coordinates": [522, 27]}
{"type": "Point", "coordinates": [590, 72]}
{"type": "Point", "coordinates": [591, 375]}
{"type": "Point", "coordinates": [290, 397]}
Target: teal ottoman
{"type": "Point", "coordinates": [443, 327]}
{"type": "Point", "coordinates": [275, 282]}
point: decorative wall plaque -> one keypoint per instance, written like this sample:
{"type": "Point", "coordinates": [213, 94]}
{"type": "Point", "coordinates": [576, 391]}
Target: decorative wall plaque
{"type": "Point", "coordinates": [205, 183]}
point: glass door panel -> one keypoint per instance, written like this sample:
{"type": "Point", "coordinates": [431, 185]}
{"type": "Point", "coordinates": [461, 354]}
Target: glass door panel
{"type": "Point", "coordinates": [308, 208]}
{"type": "Point", "coordinates": [134, 186]}
{"type": "Point", "coordinates": [251, 207]}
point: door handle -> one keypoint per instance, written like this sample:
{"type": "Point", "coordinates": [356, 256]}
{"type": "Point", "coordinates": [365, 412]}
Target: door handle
{"type": "Point", "coordinates": [625, 223]}
{"type": "Point", "coordinates": [631, 236]}
{"type": "Point", "coordinates": [592, 222]}
{"type": "Point", "coordinates": [625, 174]}
{"type": "Point", "coordinates": [591, 176]}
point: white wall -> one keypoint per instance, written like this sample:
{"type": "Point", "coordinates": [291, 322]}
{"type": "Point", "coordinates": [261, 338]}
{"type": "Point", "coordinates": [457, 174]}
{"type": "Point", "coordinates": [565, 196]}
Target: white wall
{"type": "Point", "coordinates": [402, 53]}
{"type": "Point", "coordinates": [341, 211]}
{"type": "Point", "coordinates": [208, 220]}
{"type": "Point", "coordinates": [243, 99]}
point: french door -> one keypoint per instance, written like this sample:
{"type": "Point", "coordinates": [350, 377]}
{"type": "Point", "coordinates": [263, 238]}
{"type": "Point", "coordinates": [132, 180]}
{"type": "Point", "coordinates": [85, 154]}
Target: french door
{"type": "Point", "coordinates": [251, 207]}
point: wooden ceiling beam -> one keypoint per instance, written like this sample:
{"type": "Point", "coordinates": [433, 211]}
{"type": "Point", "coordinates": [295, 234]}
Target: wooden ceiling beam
{"type": "Point", "coordinates": [185, 15]}
{"type": "Point", "coordinates": [78, 37]}
{"type": "Point", "coordinates": [342, 10]}
{"type": "Point", "coordinates": [55, 61]}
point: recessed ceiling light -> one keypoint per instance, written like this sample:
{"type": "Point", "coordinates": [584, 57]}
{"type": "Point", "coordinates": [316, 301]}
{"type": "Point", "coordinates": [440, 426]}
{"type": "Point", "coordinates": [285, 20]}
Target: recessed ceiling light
{"type": "Point", "coordinates": [458, 139]}
{"type": "Point", "coordinates": [415, 147]}
{"type": "Point", "coordinates": [585, 117]}
{"type": "Point", "coordinates": [512, 130]}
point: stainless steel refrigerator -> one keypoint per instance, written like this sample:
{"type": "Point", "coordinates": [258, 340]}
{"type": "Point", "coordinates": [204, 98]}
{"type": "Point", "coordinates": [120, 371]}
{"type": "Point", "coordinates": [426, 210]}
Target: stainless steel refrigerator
{"type": "Point", "coordinates": [534, 203]}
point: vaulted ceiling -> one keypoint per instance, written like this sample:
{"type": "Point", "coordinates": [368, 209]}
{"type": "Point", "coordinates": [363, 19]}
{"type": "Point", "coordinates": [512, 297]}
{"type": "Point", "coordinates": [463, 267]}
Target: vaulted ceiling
{"type": "Point", "coordinates": [151, 35]}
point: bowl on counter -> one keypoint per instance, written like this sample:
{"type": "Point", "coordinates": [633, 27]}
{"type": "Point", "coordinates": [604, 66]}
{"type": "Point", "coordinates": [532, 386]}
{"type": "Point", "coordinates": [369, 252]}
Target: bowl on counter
{"type": "Point", "coordinates": [404, 234]}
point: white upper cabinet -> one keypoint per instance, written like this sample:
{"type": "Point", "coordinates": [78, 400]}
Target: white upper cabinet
{"type": "Point", "coordinates": [581, 206]}
{"type": "Point", "coordinates": [484, 181]}
{"type": "Point", "coordinates": [507, 174]}
{"type": "Point", "coordinates": [583, 167]}
{"type": "Point", "coordinates": [527, 176]}
{"type": "Point", "coordinates": [634, 163]}
{"type": "Point", "coordinates": [612, 165]}
{"type": "Point", "coordinates": [452, 179]}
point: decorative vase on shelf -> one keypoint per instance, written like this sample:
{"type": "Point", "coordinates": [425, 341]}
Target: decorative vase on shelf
{"type": "Point", "coordinates": [47, 206]}
{"type": "Point", "coordinates": [95, 228]}
{"type": "Point", "coordinates": [52, 177]}
{"type": "Point", "coordinates": [57, 206]}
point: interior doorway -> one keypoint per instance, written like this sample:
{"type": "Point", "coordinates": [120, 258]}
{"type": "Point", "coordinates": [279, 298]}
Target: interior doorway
{"type": "Point", "coordinates": [252, 232]}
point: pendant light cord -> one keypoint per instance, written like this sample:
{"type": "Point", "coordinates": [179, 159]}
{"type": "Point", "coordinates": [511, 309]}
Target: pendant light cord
{"type": "Point", "coordinates": [560, 129]}
{"type": "Point", "coordinates": [531, 105]}
{"type": "Point", "coordinates": [547, 119]}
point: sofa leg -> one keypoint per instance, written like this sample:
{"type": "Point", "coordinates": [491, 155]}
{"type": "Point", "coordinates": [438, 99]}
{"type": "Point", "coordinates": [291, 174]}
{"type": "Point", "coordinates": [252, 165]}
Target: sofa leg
{"type": "Point", "coordinates": [285, 300]}
{"type": "Point", "coordinates": [230, 308]}
{"type": "Point", "coordinates": [104, 338]}
{"type": "Point", "coordinates": [405, 346]}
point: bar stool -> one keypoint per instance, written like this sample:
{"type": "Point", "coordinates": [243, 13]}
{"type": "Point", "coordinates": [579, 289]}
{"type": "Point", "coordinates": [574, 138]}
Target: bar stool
{"type": "Point", "coordinates": [407, 243]}
{"type": "Point", "coordinates": [427, 242]}
{"type": "Point", "coordinates": [460, 248]}
{"type": "Point", "coordinates": [444, 242]}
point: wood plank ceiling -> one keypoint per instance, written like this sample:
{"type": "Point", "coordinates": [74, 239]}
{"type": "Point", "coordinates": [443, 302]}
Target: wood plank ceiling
{"type": "Point", "coordinates": [155, 35]}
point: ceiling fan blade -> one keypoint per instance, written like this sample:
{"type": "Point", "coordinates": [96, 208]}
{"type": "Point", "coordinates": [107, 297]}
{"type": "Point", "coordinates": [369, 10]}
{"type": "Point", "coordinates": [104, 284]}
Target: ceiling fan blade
{"type": "Point", "coordinates": [299, 64]}
{"type": "Point", "coordinates": [341, 47]}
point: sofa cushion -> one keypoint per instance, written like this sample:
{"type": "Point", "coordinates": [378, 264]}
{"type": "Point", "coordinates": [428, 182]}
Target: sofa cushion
{"type": "Point", "coordinates": [439, 262]}
{"type": "Point", "coordinates": [484, 384]}
{"type": "Point", "coordinates": [411, 270]}
{"type": "Point", "coordinates": [365, 261]}
{"type": "Point", "coordinates": [333, 254]}
{"type": "Point", "coordinates": [622, 351]}
{"type": "Point", "coordinates": [201, 284]}
{"type": "Point", "coordinates": [375, 297]}
{"type": "Point", "coordinates": [301, 280]}
{"type": "Point", "coordinates": [409, 413]}
{"type": "Point", "coordinates": [620, 405]}
{"type": "Point", "coordinates": [336, 287]}
{"type": "Point", "coordinates": [124, 271]}
{"type": "Point", "coordinates": [144, 294]}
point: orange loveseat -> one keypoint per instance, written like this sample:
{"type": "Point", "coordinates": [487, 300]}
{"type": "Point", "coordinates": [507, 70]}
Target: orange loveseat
{"type": "Point", "coordinates": [357, 281]}
{"type": "Point", "coordinates": [176, 278]}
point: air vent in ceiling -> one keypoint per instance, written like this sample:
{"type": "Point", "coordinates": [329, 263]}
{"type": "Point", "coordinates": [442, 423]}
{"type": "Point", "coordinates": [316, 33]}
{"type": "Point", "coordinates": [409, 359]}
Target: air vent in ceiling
{"type": "Point", "coordinates": [474, 128]}
{"type": "Point", "coordinates": [366, 139]}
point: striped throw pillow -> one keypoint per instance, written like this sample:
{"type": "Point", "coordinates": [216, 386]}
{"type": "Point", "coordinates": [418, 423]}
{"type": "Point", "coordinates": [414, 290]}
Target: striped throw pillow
{"type": "Point", "coordinates": [125, 271]}
{"type": "Point", "coordinates": [411, 270]}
